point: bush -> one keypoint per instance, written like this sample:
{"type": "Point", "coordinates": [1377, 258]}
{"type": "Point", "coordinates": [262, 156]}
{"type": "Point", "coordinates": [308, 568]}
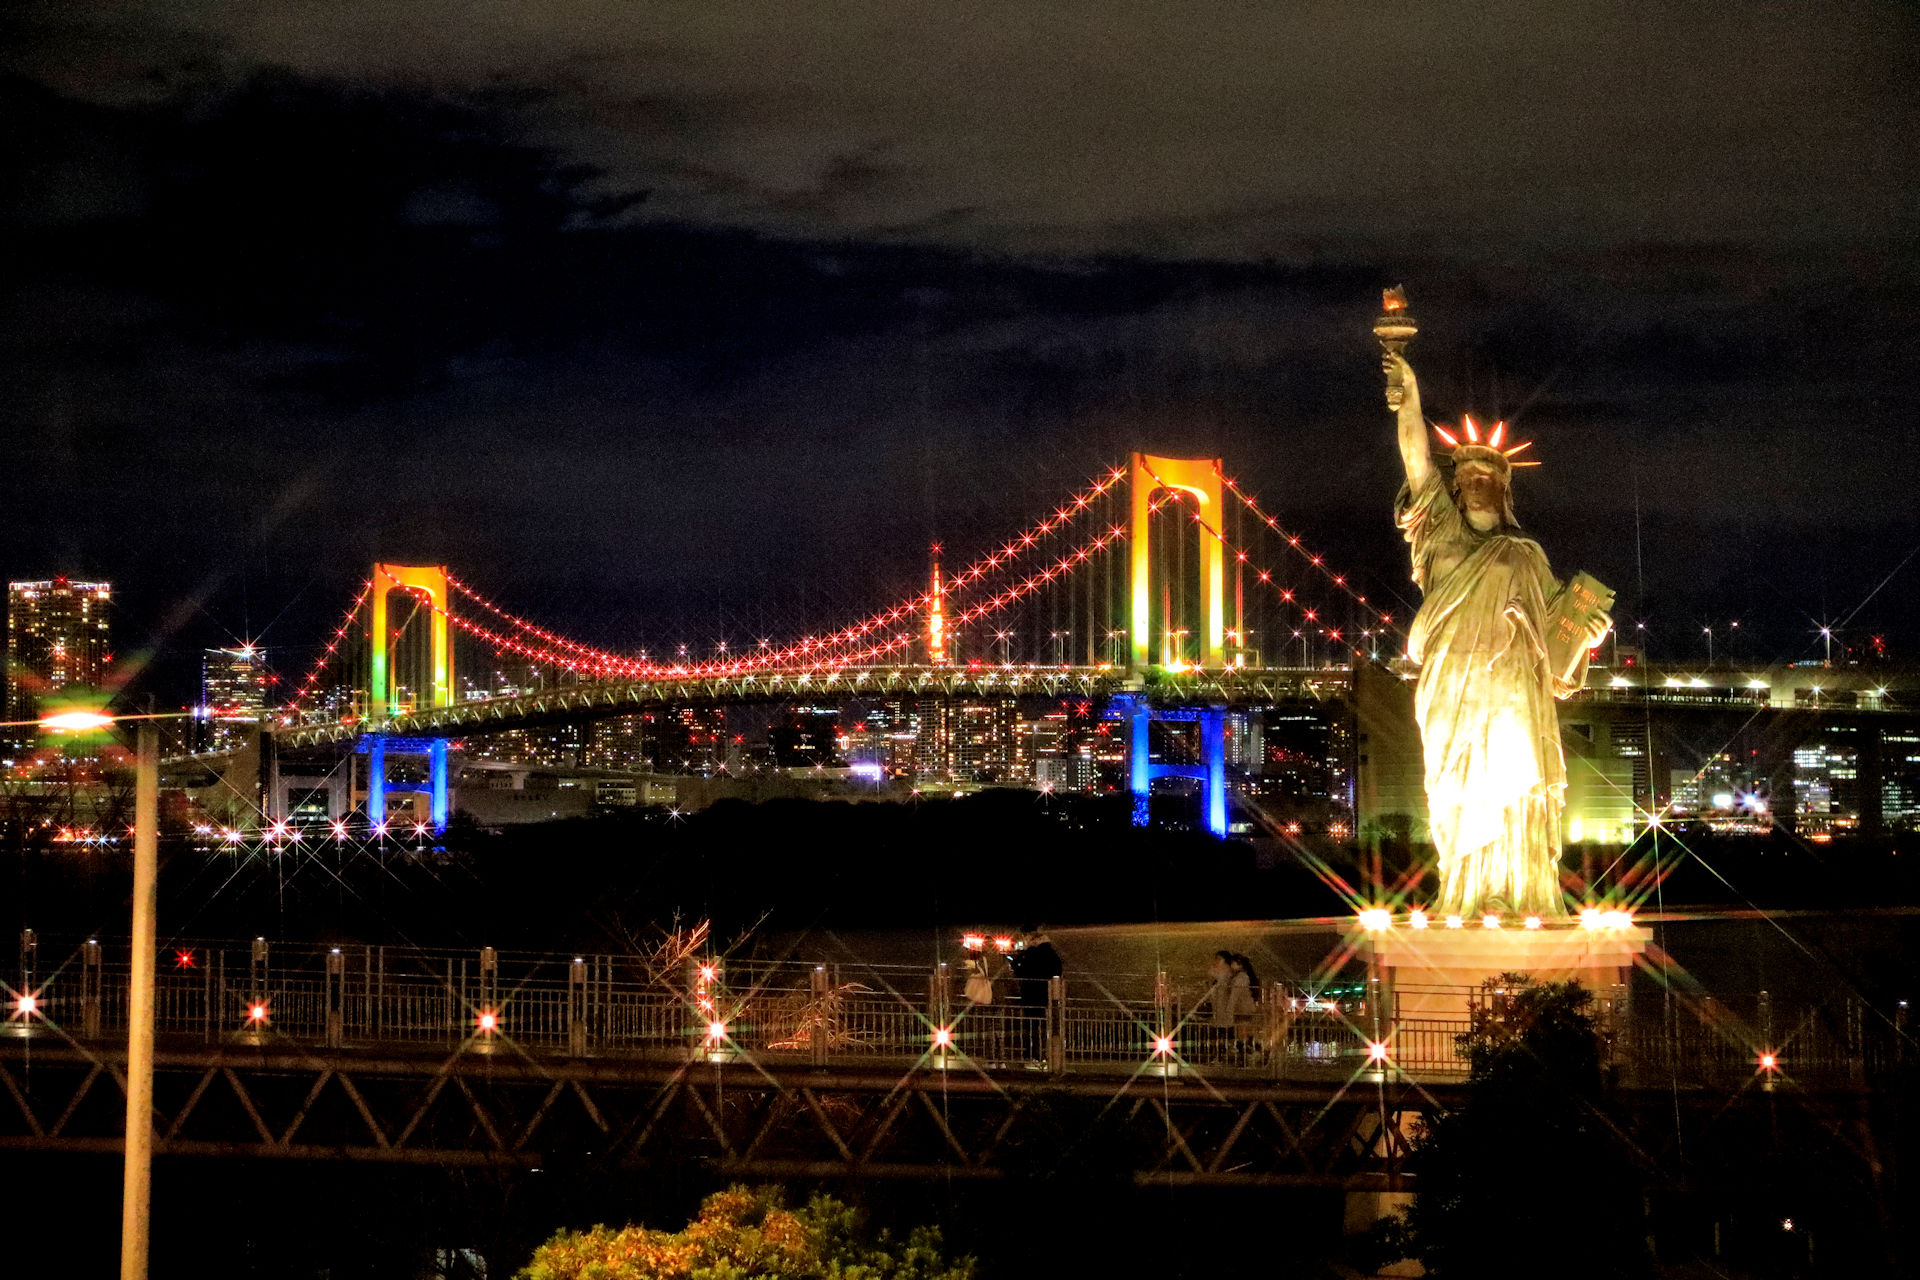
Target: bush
{"type": "Point", "coordinates": [744, 1232]}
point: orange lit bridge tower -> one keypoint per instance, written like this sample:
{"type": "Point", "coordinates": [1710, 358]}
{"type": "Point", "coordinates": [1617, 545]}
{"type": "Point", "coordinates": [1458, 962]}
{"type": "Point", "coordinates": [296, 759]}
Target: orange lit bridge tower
{"type": "Point", "coordinates": [1199, 483]}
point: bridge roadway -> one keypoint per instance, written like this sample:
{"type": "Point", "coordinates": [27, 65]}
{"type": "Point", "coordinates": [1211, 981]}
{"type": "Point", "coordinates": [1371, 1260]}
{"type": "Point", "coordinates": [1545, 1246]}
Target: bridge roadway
{"type": "Point", "coordinates": [1233, 686]}
{"type": "Point", "coordinates": [769, 1069]}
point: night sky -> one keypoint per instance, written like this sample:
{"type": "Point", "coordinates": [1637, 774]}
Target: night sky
{"type": "Point", "coordinates": [687, 320]}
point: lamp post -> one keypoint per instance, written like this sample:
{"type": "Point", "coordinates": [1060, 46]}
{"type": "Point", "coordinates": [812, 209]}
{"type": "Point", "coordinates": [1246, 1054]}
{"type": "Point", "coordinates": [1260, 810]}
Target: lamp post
{"type": "Point", "coordinates": [136, 1188]}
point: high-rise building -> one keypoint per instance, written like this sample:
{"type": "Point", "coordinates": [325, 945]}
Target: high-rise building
{"type": "Point", "coordinates": [233, 694]}
{"type": "Point", "coordinates": [985, 744]}
{"type": "Point", "coordinates": [57, 635]}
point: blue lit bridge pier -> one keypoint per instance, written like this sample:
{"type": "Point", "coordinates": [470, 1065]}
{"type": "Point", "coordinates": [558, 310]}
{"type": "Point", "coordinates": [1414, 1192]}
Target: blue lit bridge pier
{"type": "Point", "coordinates": [1210, 770]}
{"type": "Point", "coordinates": [383, 751]}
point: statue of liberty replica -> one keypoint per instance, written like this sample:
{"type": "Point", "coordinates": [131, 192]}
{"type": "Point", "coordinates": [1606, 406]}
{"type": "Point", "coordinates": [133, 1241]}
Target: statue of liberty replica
{"type": "Point", "coordinates": [1498, 639]}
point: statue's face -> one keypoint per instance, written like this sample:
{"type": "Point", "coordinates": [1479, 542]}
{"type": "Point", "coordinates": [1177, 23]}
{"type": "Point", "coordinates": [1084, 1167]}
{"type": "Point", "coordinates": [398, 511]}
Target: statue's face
{"type": "Point", "coordinates": [1480, 489]}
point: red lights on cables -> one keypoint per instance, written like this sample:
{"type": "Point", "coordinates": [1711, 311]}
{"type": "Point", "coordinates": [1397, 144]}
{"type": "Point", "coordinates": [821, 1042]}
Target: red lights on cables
{"type": "Point", "coordinates": [333, 645]}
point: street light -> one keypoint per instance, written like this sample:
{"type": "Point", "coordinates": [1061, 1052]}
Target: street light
{"type": "Point", "coordinates": [136, 1193]}
{"type": "Point", "coordinates": [1709, 634]}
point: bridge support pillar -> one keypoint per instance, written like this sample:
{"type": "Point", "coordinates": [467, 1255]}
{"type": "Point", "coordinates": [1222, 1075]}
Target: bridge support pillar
{"type": "Point", "coordinates": [377, 782]}
{"type": "Point", "coordinates": [1213, 746]}
{"type": "Point", "coordinates": [437, 764]}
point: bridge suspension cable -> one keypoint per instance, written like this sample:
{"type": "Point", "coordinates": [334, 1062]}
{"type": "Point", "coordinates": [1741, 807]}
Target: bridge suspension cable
{"type": "Point", "coordinates": [839, 648]}
{"type": "Point", "coordinates": [1315, 561]}
{"type": "Point", "coordinates": [333, 645]}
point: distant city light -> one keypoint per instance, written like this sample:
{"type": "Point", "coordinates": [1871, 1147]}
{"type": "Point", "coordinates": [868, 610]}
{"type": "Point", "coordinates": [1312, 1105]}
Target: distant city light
{"type": "Point", "coordinates": [942, 1037]}
{"type": "Point", "coordinates": [716, 1031]}
{"type": "Point", "coordinates": [256, 1013]}
{"type": "Point", "coordinates": [1163, 1046]}
{"type": "Point", "coordinates": [1376, 919]}
{"type": "Point", "coordinates": [27, 1005]}
{"type": "Point", "coordinates": [1416, 919]}
{"type": "Point", "coordinates": [1377, 1051]}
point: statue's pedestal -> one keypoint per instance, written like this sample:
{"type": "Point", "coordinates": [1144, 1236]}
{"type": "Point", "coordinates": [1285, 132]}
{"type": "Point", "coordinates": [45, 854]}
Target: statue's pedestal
{"type": "Point", "coordinates": [1432, 973]}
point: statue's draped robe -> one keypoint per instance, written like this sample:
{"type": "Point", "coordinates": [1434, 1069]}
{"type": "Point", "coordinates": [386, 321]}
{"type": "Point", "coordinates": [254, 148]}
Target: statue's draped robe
{"type": "Point", "coordinates": [1496, 778]}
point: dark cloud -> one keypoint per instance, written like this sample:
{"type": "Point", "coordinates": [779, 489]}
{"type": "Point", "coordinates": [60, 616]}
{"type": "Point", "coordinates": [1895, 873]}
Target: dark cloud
{"type": "Point", "coordinates": [652, 316]}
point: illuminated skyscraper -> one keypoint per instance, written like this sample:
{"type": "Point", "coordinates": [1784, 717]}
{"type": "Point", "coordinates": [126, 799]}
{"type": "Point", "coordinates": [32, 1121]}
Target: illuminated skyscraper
{"type": "Point", "coordinates": [233, 694]}
{"type": "Point", "coordinates": [57, 635]}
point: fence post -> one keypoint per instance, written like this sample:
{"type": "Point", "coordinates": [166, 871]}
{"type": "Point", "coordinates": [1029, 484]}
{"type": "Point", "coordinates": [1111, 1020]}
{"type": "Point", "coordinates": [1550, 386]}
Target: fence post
{"type": "Point", "coordinates": [29, 963]}
{"type": "Point", "coordinates": [577, 1007]}
{"type": "Point", "coordinates": [489, 976]}
{"type": "Point", "coordinates": [1279, 1027]}
{"type": "Point", "coordinates": [939, 1013]}
{"type": "Point", "coordinates": [1856, 1042]}
{"type": "Point", "coordinates": [90, 990]}
{"type": "Point", "coordinates": [257, 988]}
{"type": "Point", "coordinates": [818, 1033]}
{"type": "Point", "coordinates": [336, 998]}
{"type": "Point", "coordinates": [1056, 1024]}
{"type": "Point", "coordinates": [1766, 1034]}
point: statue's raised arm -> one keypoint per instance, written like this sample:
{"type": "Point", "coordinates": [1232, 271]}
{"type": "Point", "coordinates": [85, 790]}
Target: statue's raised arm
{"type": "Point", "coordinates": [1414, 450]}
{"type": "Point", "coordinates": [1394, 329]}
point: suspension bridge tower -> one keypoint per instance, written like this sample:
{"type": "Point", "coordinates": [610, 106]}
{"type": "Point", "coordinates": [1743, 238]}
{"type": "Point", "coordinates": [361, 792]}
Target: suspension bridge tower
{"type": "Point", "coordinates": [1199, 482]}
{"type": "Point", "coordinates": [428, 587]}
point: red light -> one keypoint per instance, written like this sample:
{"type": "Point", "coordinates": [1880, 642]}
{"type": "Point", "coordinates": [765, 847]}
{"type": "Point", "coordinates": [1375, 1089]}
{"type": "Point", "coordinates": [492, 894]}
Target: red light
{"type": "Point", "coordinates": [257, 1013]}
{"type": "Point", "coordinates": [183, 958]}
{"type": "Point", "coordinates": [488, 1021]}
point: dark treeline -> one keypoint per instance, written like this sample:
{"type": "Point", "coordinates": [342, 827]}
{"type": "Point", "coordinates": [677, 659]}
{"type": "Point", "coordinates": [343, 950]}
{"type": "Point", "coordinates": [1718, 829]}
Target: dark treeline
{"type": "Point", "coordinates": [1000, 856]}
{"type": "Point", "coordinates": [598, 884]}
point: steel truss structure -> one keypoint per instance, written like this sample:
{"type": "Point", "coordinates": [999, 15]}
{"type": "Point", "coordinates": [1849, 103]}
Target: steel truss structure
{"type": "Point", "coordinates": [743, 1119]}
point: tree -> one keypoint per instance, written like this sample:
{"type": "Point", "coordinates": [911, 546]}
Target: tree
{"type": "Point", "coordinates": [743, 1232]}
{"type": "Point", "coordinates": [1532, 1176]}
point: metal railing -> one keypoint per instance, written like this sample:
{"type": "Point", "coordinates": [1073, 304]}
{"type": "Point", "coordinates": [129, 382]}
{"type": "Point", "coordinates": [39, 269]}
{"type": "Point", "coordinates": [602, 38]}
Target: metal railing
{"type": "Point", "coordinates": [364, 998]}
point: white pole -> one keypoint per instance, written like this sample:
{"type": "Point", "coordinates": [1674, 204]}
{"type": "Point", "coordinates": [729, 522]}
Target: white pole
{"type": "Point", "coordinates": [137, 1187]}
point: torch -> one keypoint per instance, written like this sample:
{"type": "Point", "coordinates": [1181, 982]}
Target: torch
{"type": "Point", "coordinates": [1394, 328]}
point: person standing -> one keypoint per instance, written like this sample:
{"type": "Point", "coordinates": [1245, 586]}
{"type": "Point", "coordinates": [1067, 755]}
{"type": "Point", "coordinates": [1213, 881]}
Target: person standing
{"type": "Point", "coordinates": [1230, 1002]}
{"type": "Point", "coordinates": [1035, 964]}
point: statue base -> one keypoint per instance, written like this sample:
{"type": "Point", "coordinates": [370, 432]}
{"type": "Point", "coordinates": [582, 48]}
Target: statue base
{"type": "Point", "coordinates": [1434, 973]}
